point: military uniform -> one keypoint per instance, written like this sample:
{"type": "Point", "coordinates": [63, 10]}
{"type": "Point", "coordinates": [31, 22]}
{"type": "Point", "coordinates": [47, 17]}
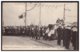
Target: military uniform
{"type": "Point", "coordinates": [59, 34]}
{"type": "Point", "coordinates": [75, 38]}
{"type": "Point", "coordinates": [66, 37]}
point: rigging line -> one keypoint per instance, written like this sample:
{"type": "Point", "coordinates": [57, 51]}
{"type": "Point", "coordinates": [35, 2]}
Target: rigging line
{"type": "Point", "coordinates": [32, 8]}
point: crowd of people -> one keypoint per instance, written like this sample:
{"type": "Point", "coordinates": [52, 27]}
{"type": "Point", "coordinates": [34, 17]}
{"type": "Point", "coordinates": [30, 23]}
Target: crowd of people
{"type": "Point", "coordinates": [69, 34]}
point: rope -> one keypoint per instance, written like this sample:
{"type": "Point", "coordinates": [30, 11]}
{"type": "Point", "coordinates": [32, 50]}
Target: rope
{"type": "Point", "coordinates": [32, 8]}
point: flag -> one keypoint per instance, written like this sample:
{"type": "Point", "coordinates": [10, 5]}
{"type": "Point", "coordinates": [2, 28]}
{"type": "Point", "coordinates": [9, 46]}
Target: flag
{"type": "Point", "coordinates": [21, 16]}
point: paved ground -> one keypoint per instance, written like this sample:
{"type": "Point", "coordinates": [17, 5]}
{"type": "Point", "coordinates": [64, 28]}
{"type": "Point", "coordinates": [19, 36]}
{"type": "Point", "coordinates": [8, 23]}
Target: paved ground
{"type": "Point", "coordinates": [27, 43]}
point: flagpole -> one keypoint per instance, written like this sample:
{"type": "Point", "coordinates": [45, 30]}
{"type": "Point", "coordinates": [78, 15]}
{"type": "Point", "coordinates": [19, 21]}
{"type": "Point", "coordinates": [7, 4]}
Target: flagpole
{"type": "Point", "coordinates": [25, 13]}
{"type": "Point", "coordinates": [64, 14]}
{"type": "Point", "coordinates": [40, 15]}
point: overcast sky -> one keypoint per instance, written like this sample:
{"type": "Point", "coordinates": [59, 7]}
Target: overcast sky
{"type": "Point", "coordinates": [50, 12]}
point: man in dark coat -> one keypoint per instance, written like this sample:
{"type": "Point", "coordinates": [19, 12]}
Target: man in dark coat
{"type": "Point", "coordinates": [75, 38]}
{"type": "Point", "coordinates": [66, 37]}
{"type": "Point", "coordinates": [59, 35]}
{"type": "Point", "coordinates": [6, 31]}
{"type": "Point", "coordinates": [37, 33]}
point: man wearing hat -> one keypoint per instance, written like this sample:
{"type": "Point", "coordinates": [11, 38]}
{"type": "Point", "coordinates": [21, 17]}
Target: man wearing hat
{"type": "Point", "coordinates": [75, 38]}
{"type": "Point", "coordinates": [67, 36]}
{"type": "Point", "coordinates": [59, 34]}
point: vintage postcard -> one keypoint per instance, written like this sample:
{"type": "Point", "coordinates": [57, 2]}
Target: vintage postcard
{"type": "Point", "coordinates": [40, 25]}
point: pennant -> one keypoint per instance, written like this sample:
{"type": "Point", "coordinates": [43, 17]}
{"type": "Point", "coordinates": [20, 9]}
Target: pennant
{"type": "Point", "coordinates": [21, 16]}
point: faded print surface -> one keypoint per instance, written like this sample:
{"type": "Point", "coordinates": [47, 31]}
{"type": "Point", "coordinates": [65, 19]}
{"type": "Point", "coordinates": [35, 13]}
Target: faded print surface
{"type": "Point", "coordinates": [50, 12]}
{"type": "Point", "coordinates": [22, 31]}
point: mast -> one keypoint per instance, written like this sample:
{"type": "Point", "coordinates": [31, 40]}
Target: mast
{"type": "Point", "coordinates": [25, 13]}
{"type": "Point", "coordinates": [64, 14]}
{"type": "Point", "coordinates": [40, 15]}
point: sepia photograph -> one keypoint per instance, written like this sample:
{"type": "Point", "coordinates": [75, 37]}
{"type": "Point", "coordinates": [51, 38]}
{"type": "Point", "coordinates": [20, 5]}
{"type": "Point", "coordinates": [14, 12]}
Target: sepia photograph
{"type": "Point", "coordinates": [40, 25]}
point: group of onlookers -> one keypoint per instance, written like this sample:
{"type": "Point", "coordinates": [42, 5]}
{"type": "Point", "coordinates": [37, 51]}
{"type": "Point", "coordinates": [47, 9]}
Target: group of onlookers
{"type": "Point", "coordinates": [69, 34]}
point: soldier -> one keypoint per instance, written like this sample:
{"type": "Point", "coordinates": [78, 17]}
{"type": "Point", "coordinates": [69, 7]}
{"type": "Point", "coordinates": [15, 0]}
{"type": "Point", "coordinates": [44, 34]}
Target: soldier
{"type": "Point", "coordinates": [41, 32]}
{"type": "Point", "coordinates": [36, 33]}
{"type": "Point", "coordinates": [44, 33]}
{"type": "Point", "coordinates": [17, 30]}
{"type": "Point", "coordinates": [9, 30]}
{"type": "Point", "coordinates": [67, 36]}
{"type": "Point", "coordinates": [75, 38]}
{"type": "Point", "coordinates": [59, 35]}
{"type": "Point", "coordinates": [26, 31]}
{"type": "Point", "coordinates": [3, 30]}
{"type": "Point", "coordinates": [33, 35]}
{"type": "Point", "coordinates": [29, 33]}
{"type": "Point", "coordinates": [13, 30]}
{"type": "Point", "coordinates": [63, 35]}
{"type": "Point", "coordinates": [6, 30]}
